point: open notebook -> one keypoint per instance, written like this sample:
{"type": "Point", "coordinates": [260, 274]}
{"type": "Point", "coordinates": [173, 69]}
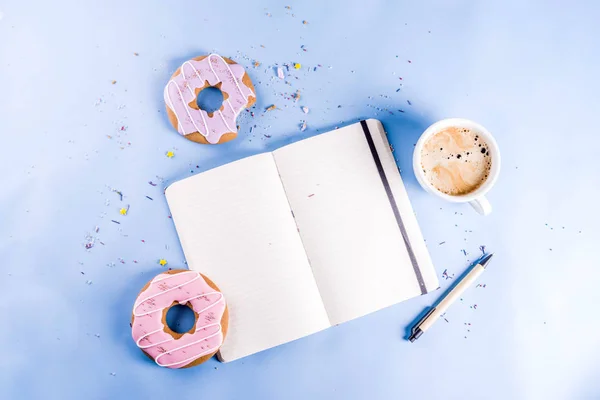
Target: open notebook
{"type": "Point", "coordinates": [314, 234]}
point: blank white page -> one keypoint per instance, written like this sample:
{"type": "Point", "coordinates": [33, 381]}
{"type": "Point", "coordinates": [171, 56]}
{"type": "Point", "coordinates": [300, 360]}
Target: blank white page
{"type": "Point", "coordinates": [346, 221]}
{"type": "Point", "coordinates": [235, 226]}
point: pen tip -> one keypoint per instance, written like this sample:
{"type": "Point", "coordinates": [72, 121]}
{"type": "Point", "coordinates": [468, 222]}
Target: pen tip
{"type": "Point", "coordinates": [485, 260]}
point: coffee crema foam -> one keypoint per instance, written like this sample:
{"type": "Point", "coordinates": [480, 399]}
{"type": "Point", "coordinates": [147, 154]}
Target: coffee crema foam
{"type": "Point", "coordinates": [456, 161]}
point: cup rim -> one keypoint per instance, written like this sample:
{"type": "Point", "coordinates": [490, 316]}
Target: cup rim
{"type": "Point", "coordinates": [459, 122]}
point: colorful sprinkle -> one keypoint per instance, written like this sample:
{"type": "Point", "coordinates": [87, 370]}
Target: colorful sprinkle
{"type": "Point", "coordinates": [271, 107]}
{"type": "Point", "coordinates": [297, 65]}
{"type": "Point", "coordinates": [304, 109]}
{"type": "Point", "coordinates": [123, 211]}
{"type": "Point", "coordinates": [280, 73]}
{"type": "Point", "coordinates": [119, 193]}
{"type": "Point", "coordinates": [170, 154]}
{"type": "Point", "coordinates": [162, 262]}
{"type": "Point", "coordinates": [303, 126]}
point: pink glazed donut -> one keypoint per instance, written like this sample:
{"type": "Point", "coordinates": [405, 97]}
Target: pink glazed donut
{"type": "Point", "coordinates": [165, 346]}
{"type": "Point", "coordinates": [196, 75]}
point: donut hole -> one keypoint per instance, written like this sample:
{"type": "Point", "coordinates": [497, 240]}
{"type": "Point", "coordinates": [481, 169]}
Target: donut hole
{"type": "Point", "coordinates": [210, 99]}
{"type": "Point", "coordinates": [180, 318]}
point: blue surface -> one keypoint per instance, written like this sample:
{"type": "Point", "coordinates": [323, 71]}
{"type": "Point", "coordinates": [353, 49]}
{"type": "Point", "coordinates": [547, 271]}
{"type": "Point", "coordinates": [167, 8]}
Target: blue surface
{"type": "Point", "coordinates": [528, 71]}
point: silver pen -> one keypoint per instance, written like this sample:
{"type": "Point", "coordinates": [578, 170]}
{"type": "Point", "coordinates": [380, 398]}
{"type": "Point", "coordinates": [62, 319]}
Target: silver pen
{"type": "Point", "coordinates": [440, 308]}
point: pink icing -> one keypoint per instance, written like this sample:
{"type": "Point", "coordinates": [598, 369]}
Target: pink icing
{"type": "Point", "coordinates": [148, 329]}
{"type": "Point", "coordinates": [181, 91]}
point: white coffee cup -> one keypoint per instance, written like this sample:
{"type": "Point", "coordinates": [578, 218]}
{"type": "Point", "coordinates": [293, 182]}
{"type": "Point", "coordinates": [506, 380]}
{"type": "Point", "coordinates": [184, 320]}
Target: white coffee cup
{"type": "Point", "coordinates": [475, 198]}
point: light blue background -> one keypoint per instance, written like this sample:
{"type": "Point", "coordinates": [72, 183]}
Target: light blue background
{"type": "Point", "coordinates": [526, 70]}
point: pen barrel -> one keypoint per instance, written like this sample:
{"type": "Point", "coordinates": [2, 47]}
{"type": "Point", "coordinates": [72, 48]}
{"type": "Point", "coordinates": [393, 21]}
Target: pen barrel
{"type": "Point", "coordinates": [454, 294]}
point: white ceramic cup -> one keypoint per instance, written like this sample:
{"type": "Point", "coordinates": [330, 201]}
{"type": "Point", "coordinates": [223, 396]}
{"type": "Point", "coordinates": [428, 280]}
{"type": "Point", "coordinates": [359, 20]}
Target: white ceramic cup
{"type": "Point", "coordinates": [475, 198]}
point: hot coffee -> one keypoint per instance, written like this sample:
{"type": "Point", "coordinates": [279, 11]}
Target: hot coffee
{"type": "Point", "coordinates": [456, 161]}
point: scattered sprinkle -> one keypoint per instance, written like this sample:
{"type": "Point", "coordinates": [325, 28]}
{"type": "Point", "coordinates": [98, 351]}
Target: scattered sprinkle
{"type": "Point", "coordinates": [271, 107]}
{"type": "Point", "coordinates": [119, 193]}
{"type": "Point", "coordinates": [409, 103]}
{"type": "Point", "coordinates": [162, 262]}
{"type": "Point", "coordinates": [441, 243]}
{"type": "Point", "coordinates": [304, 109]}
{"type": "Point", "coordinates": [123, 211]}
{"type": "Point", "coordinates": [280, 74]}
{"type": "Point", "coordinates": [116, 222]}
{"type": "Point", "coordinates": [303, 126]}
{"type": "Point", "coordinates": [170, 154]}
{"type": "Point", "coordinates": [148, 197]}
{"type": "Point", "coordinates": [297, 65]}
{"type": "Point", "coordinates": [446, 276]}
{"type": "Point", "coordinates": [113, 82]}
{"type": "Point", "coordinates": [464, 252]}
{"type": "Point", "coordinates": [311, 195]}
{"type": "Point", "coordinates": [151, 183]}
{"type": "Point", "coordinates": [88, 282]}
{"type": "Point", "coordinates": [136, 54]}
{"type": "Point", "coordinates": [482, 249]}
{"type": "Point", "coordinates": [305, 22]}
{"type": "Point", "coordinates": [256, 64]}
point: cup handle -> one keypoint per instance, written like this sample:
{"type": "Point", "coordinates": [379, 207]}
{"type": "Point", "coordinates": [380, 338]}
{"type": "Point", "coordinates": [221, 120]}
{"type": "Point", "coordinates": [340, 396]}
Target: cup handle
{"type": "Point", "coordinates": [481, 205]}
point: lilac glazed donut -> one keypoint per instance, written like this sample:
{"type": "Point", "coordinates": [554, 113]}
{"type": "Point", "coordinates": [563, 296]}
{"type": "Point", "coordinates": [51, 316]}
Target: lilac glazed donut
{"type": "Point", "coordinates": [189, 80]}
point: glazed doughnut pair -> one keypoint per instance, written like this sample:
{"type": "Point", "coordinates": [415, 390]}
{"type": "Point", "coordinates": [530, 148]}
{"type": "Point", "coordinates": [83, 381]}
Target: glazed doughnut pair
{"type": "Point", "coordinates": [148, 321]}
